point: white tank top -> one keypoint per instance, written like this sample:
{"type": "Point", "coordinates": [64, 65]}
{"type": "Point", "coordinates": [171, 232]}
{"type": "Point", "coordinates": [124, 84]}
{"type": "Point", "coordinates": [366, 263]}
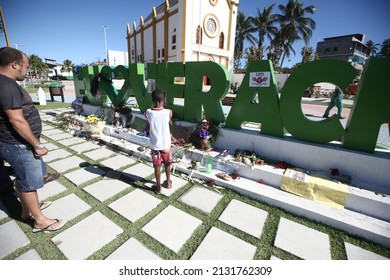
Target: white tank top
{"type": "Point", "coordinates": [160, 134]}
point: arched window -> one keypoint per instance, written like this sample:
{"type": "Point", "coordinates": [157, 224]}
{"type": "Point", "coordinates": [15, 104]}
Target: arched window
{"type": "Point", "coordinates": [221, 40]}
{"type": "Point", "coordinates": [199, 35]}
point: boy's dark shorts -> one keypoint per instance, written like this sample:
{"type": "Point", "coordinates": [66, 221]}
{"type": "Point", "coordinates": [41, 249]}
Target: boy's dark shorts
{"type": "Point", "coordinates": [160, 157]}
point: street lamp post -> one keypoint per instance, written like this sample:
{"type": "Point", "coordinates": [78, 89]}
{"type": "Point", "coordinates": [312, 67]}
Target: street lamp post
{"type": "Point", "coordinates": [17, 45]}
{"type": "Point", "coordinates": [105, 42]}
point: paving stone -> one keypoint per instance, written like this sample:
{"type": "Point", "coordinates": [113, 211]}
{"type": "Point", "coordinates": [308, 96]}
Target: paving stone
{"type": "Point", "coordinates": [177, 183]}
{"type": "Point", "coordinates": [219, 245]}
{"type": "Point", "coordinates": [71, 141]}
{"type": "Point", "coordinates": [117, 161]}
{"type": "Point", "coordinates": [302, 241]}
{"type": "Point", "coordinates": [3, 211]}
{"type": "Point", "coordinates": [47, 118]}
{"type": "Point", "coordinates": [201, 198]}
{"type": "Point", "coordinates": [68, 163]}
{"type": "Point", "coordinates": [86, 237]}
{"type": "Point", "coordinates": [132, 249]}
{"type": "Point", "coordinates": [51, 132]}
{"type": "Point", "coordinates": [55, 155]}
{"type": "Point", "coordinates": [99, 154]}
{"type": "Point", "coordinates": [50, 189]}
{"type": "Point", "coordinates": [47, 127]}
{"type": "Point", "coordinates": [11, 238]}
{"type": "Point", "coordinates": [172, 227]}
{"type": "Point", "coordinates": [105, 189]}
{"type": "Point", "coordinates": [51, 146]}
{"type": "Point", "coordinates": [67, 208]}
{"type": "Point", "coordinates": [84, 175]}
{"type": "Point", "coordinates": [30, 255]}
{"type": "Point", "coordinates": [64, 110]}
{"type": "Point", "coordinates": [83, 147]}
{"type": "Point", "coordinates": [357, 253]}
{"type": "Point", "coordinates": [135, 205]}
{"type": "Point", "coordinates": [244, 217]}
{"type": "Point", "coordinates": [59, 136]}
{"type": "Point", "coordinates": [138, 172]}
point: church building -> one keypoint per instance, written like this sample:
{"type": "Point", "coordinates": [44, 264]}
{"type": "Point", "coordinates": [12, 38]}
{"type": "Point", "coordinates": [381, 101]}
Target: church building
{"type": "Point", "coordinates": [185, 30]}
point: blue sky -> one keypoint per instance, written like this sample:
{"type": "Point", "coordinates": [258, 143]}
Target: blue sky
{"type": "Point", "coordinates": [73, 29]}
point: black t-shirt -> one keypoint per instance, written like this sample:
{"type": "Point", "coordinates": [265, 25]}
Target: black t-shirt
{"type": "Point", "coordinates": [13, 96]}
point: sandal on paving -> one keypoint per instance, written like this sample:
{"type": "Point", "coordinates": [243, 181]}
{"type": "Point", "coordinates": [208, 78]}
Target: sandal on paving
{"type": "Point", "coordinates": [57, 221]}
{"type": "Point", "coordinates": [166, 184]}
{"type": "Point", "coordinates": [42, 206]}
{"type": "Point", "coordinates": [51, 177]}
{"type": "Point", "coordinates": [45, 204]}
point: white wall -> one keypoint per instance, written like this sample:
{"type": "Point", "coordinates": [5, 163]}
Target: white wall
{"type": "Point", "coordinates": [358, 165]}
{"type": "Point", "coordinates": [118, 58]}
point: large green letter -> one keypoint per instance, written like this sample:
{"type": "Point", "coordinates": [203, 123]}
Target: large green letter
{"type": "Point", "coordinates": [167, 74]}
{"type": "Point", "coordinates": [371, 107]}
{"type": "Point", "coordinates": [82, 83]}
{"type": "Point", "coordinates": [195, 97]}
{"type": "Point", "coordinates": [137, 80]}
{"type": "Point", "coordinates": [260, 80]}
{"type": "Point", "coordinates": [106, 87]}
{"type": "Point", "coordinates": [327, 70]}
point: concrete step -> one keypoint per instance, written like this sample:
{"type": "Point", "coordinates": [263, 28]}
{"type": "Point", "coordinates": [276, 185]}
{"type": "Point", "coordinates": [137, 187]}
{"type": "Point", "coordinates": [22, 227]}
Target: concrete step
{"type": "Point", "coordinates": [352, 222]}
{"type": "Point", "coordinates": [365, 213]}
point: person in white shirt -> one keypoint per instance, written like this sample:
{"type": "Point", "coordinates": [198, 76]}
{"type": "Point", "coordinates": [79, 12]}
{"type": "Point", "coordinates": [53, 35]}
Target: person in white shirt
{"type": "Point", "coordinates": [160, 138]}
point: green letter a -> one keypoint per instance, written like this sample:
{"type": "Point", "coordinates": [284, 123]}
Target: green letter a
{"type": "Point", "coordinates": [266, 111]}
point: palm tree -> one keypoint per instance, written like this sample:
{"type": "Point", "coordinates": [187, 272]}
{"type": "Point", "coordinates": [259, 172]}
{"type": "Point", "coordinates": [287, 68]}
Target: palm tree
{"type": "Point", "coordinates": [68, 65]}
{"type": "Point", "coordinates": [385, 48]}
{"type": "Point", "coordinates": [294, 23]}
{"type": "Point", "coordinates": [372, 48]}
{"type": "Point", "coordinates": [253, 53]}
{"type": "Point", "coordinates": [264, 23]}
{"type": "Point", "coordinates": [279, 46]}
{"type": "Point", "coordinates": [307, 54]}
{"type": "Point", "coordinates": [244, 30]}
{"type": "Point", "coordinates": [37, 65]}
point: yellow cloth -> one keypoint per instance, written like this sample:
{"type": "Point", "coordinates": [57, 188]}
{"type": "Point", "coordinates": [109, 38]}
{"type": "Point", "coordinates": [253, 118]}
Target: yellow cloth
{"type": "Point", "coordinates": [318, 189]}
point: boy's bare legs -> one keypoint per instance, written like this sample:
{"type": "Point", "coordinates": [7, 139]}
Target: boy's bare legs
{"type": "Point", "coordinates": [157, 175]}
{"type": "Point", "coordinates": [30, 206]}
{"type": "Point", "coordinates": [168, 174]}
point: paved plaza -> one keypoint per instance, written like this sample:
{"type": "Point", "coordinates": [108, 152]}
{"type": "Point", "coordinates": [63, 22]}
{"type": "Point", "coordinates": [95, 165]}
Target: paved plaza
{"type": "Point", "coordinates": [112, 213]}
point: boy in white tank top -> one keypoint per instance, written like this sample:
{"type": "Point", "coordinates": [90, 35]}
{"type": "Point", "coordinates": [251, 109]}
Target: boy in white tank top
{"type": "Point", "coordinates": [160, 138]}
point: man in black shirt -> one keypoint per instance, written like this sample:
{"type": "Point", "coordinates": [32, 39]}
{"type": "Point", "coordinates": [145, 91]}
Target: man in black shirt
{"type": "Point", "coordinates": [20, 131]}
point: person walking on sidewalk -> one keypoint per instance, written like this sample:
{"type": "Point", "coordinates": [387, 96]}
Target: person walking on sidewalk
{"type": "Point", "coordinates": [160, 138]}
{"type": "Point", "coordinates": [20, 131]}
{"type": "Point", "coordinates": [335, 100]}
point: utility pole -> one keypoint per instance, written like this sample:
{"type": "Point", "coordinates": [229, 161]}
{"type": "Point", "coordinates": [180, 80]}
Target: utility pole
{"type": "Point", "coordinates": [105, 27]}
{"type": "Point", "coordinates": [3, 27]}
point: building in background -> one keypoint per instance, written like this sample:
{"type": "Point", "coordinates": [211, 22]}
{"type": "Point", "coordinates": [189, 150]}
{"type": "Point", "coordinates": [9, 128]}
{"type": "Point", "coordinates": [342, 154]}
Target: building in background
{"type": "Point", "coordinates": [55, 71]}
{"type": "Point", "coordinates": [349, 48]}
{"type": "Point", "coordinates": [185, 30]}
{"type": "Point", "coordinates": [116, 58]}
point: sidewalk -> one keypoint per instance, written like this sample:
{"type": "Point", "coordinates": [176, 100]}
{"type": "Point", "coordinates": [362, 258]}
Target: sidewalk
{"type": "Point", "coordinates": [112, 213]}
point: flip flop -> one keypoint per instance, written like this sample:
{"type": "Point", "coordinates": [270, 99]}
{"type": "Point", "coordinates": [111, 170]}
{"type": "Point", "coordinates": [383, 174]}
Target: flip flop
{"type": "Point", "coordinates": [42, 206]}
{"type": "Point", "coordinates": [45, 229]}
{"type": "Point", "coordinates": [45, 204]}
